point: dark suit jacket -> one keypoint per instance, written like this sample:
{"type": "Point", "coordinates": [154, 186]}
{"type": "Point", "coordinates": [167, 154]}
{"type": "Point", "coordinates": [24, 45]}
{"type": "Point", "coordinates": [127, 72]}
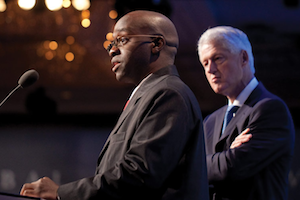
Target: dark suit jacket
{"type": "Point", "coordinates": [155, 151]}
{"type": "Point", "coordinates": [258, 169]}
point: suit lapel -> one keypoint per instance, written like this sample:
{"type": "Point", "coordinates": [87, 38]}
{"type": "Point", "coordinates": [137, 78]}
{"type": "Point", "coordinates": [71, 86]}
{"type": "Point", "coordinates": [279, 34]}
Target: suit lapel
{"type": "Point", "coordinates": [218, 125]}
{"type": "Point", "coordinates": [235, 122]}
{"type": "Point", "coordinates": [121, 119]}
{"type": "Point", "coordinates": [240, 121]}
{"type": "Point", "coordinates": [150, 82]}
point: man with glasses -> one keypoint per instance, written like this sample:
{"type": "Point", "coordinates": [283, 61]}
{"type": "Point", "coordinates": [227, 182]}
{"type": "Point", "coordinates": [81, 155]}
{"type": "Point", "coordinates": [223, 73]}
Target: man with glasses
{"type": "Point", "coordinates": [156, 150]}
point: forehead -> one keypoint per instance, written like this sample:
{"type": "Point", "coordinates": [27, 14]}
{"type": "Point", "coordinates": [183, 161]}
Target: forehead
{"type": "Point", "coordinates": [123, 26]}
{"type": "Point", "coordinates": [121, 31]}
{"type": "Point", "coordinates": [131, 25]}
{"type": "Point", "coordinates": [212, 48]}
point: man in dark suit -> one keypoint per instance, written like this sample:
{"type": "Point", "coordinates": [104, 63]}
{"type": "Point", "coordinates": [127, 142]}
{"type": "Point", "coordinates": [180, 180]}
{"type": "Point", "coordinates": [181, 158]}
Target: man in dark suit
{"type": "Point", "coordinates": [156, 150]}
{"type": "Point", "coordinates": [249, 156]}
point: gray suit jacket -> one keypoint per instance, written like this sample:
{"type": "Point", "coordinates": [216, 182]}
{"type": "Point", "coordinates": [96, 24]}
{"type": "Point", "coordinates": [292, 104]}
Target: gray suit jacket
{"type": "Point", "coordinates": [155, 151]}
{"type": "Point", "coordinates": [258, 169]}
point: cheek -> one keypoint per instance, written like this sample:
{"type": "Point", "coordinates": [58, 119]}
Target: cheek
{"type": "Point", "coordinates": [234, 75]}
{"type": "Point", "coordinates": [126, 55]}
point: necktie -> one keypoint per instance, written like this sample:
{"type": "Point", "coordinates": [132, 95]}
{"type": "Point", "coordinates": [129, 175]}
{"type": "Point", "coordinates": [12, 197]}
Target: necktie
{"type": "Point", "coordinates": [229, 115]}
{"type": "Point", "coordinates": [126, 104]}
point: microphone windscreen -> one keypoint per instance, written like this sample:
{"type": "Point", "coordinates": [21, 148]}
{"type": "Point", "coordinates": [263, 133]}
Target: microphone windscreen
{"type": "Point", "coordinates": [28, 78]}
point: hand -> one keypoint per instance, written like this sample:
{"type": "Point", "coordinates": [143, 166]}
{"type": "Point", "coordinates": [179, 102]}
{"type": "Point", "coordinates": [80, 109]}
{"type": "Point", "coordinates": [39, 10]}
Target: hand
{"type": "Point", "coordinates": [43, 188]}
{"type": "Point", "coordinates": [242, 138]}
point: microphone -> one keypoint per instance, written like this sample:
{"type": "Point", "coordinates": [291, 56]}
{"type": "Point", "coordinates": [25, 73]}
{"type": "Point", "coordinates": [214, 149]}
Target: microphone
{"type": "Point", "coordinates": [26, 80]}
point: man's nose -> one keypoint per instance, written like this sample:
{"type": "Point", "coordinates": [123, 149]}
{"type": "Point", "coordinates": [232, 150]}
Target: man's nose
{"type": "Point", "coordinates": [114, 51]}
{"type": "Point", "coordinates": [211, 68]}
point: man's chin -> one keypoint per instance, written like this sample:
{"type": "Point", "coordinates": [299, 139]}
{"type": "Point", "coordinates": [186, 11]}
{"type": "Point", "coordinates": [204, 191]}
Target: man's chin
{"type": "Point", "coordinates": [218, 90]}
{"type": "Point", "coordinates": [122, 78]}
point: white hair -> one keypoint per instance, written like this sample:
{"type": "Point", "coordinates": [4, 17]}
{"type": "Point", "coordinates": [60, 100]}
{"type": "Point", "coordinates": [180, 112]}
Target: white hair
{"type": "Point", "coordinates": [231, 38]}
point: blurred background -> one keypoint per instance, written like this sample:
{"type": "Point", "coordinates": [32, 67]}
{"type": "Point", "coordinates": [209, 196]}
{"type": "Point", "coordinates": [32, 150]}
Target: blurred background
{"type": "Point", "coordinates": [57, 127]}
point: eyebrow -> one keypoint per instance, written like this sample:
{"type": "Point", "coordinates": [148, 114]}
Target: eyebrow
{"type": "Point", "coordinates": [126, 30]}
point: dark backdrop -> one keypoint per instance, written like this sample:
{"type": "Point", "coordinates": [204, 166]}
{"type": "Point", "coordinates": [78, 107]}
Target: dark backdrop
{"type": "Point", "coordinates": [57, 127]}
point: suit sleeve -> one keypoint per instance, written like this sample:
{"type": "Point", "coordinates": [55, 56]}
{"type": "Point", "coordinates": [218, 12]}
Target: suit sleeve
{"type": "Point", "coordinates": [272, 134]}
{"type": "Point", "coordinates": [161, 134]}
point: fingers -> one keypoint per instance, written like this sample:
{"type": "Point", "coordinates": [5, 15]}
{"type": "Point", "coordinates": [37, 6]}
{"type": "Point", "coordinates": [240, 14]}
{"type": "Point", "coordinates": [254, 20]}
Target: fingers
{"type": "Point", "coordinates": [30, 193]}
{"type": "Point", "coordinates": [247, 130]}
{"type": "Point", "coordinates": [29, 189]}
{"type": "Point", "coordinates": [33, 189]}
{"type": "Point", "coordinates": [25, 186]}
{"type": "Point", "coordinates": [242, 138]}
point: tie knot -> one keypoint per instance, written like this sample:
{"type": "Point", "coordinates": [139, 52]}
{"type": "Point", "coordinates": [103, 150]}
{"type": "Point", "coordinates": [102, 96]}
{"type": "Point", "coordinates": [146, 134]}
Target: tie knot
{"type": "Point", "coordinates": [233, 109]}
{"type": "Point", "coordinates": [229, 115]}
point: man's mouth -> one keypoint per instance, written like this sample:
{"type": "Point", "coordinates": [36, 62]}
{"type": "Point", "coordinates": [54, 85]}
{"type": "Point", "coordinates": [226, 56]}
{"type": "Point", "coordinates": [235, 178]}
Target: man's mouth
{"type": "Point", "coordinates": [215, 79]}
{"type": "Point", "coordinates": [115, 66]}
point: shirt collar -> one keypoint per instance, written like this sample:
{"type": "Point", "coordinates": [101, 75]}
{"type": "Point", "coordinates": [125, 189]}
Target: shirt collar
{"type": "Point", "coordinates": [139, 85]}
{"type": "Point", "coordinates": [243, 96]}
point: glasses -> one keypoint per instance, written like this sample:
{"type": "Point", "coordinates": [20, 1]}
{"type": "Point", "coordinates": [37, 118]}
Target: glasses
{"type": "Point", "coordinates": [122, 40]}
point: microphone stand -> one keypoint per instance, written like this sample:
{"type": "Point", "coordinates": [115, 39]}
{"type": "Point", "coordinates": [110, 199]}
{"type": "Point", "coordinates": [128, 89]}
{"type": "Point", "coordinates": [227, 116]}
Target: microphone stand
{"type": "Point", "coordinates": [16, 88]}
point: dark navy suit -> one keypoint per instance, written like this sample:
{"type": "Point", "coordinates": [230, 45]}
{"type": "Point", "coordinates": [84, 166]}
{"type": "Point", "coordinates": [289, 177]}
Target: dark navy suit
{"type": "Point", "coordinates": [258, 169]}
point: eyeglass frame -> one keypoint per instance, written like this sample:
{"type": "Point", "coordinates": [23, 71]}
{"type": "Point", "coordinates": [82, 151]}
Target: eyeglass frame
{"type": "Point", "coordinates": [117, 44]}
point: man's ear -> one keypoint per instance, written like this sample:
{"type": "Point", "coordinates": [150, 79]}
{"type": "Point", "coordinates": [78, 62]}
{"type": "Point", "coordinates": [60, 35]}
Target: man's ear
{"type": "Point", "coordinates": [245, 57]}
{"type": "Point", "coordinates": [158, 44]}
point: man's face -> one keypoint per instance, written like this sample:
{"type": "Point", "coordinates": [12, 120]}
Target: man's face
{"type": "Point", "coordinates": [223, 69]}
{"type": "Point", "coordinates": [130, 61]}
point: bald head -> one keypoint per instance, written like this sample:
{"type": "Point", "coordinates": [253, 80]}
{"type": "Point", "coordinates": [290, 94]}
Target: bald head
{"type": "Point", "coordinates": [151, 23]}
{"type": "Point", "coordinates": [145, 42]}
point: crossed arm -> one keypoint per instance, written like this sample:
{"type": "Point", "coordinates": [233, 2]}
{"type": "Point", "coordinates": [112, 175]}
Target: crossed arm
{"type": "Point", "coordinates": [240, 139]}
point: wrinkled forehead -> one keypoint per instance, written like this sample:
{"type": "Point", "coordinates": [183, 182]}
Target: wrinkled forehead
{"type": "Point", "coordinates": [212, 48]}
{"type": "Point", "coordinates": [213, 44]}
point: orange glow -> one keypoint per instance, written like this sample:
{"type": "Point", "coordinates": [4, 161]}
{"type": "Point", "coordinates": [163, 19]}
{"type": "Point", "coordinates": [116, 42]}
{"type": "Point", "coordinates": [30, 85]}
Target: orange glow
{"type": "Point", "coordinates": [53, 45]}
{"type": "Point", "coordinates": [106, 43]}
{"type": "Point", "coordinates": [109, 36]}
{"type": "Point", "coordinates": [113, 14]}
{"type": "Point", "coordinates": [85, 23]}
{"type": "Point", "coordinates": [85, 14]}
{"type": "Point", "coordinates": [49, 55]}
{"type": "Point", "coordinates": [70, 56]}
{"type": "Point", "coordinates": [46, 44]}
{"type": "Point", "coordinates": [70, 40]}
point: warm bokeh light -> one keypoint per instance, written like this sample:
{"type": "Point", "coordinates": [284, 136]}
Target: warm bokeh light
{"type": "Point", "coordinates": [66, 3]}
{"type": "Point", "coordinates": [54, 5]}
{"type": "Point", "coordinates": [113, 14]}
{"type": "Point", "coordinates": [69, 56]}
{"type": "Point", "coordinates": [46, 44]}
{"type": "Point", "coordinates": [81, 4]}
{"type": "Point", "coordinates": [70, 40]}
{"type": "Point", "coordinates": [26, 4]}
{"type": "Point", "coordinates": [53, 45]}
{"type": "Point", "coordinates": [49, 55]}
{"type": "Point", "coordinates": [109, 36]}
{"type": "Point", "coordinates": [106, 43]}
{"type": "Point", "coordinates": [85, 14]}
{"type": "Point", "coordinates": [2, 6]}
{"type": "Point", "coordinates": [85, 23]}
